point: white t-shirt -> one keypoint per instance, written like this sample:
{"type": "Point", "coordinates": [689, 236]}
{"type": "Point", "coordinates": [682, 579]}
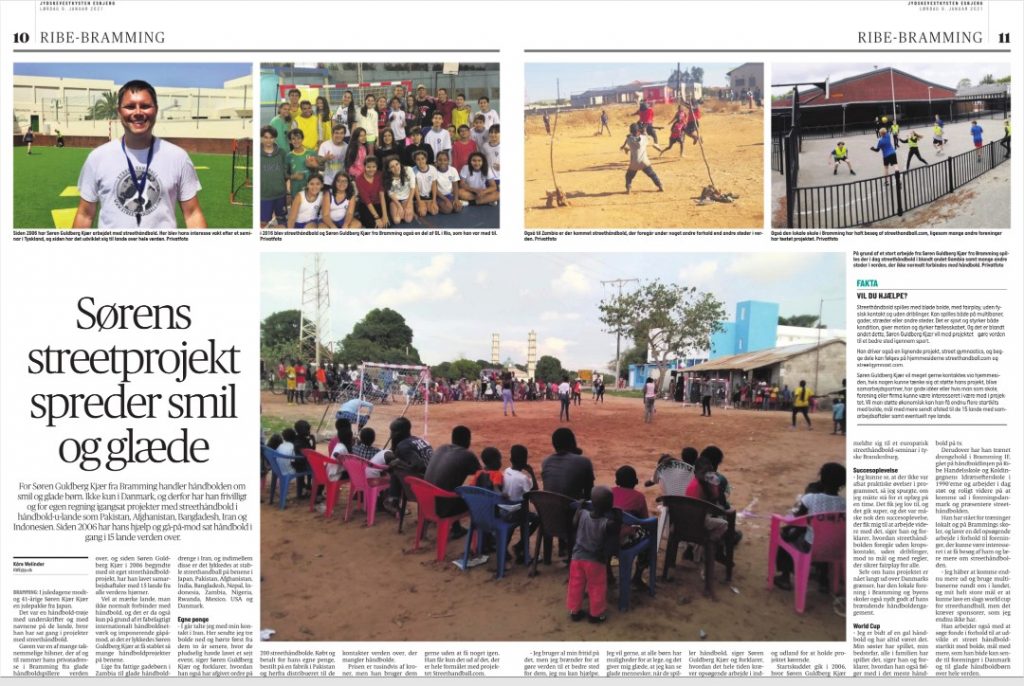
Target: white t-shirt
{"type": "Point", "coordinates": [105, 179]}
{"type": "Point", "coordinates": [379, 460]}
{"type": "Point", "coordinates": [335, 163]}
{"type": "Point", "coordinates": [476, 179]}
{"type": "Point", "coordinates": [438, 140]}
{"type": "Point", "coordinates": [367, 123]}
{"type": "Point", "coordinates": [493, 155]}
{"type": "Point", "coordinates": [490, 119]}
{"type": "Point", "coordinates": [564, 389]}
{"type": "Point", "coordinates": [446, 180]}
{"type": "Point", "coordinates": [402, 187]}
{"type": "Point", "coordinates": [479, 137]}
{"type": "Point", "coordinates": [515, 484]}
{"type": "Point", "coordinates": [396, 118]}
{"type": "Point", "coordinates": [424, 179]}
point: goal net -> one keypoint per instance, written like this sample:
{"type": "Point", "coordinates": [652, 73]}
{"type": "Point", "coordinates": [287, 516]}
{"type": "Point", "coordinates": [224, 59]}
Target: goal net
{"type": "Point", "coordinates": [241, 172]}
{"type": "Point", "coordinates": [395, 390]}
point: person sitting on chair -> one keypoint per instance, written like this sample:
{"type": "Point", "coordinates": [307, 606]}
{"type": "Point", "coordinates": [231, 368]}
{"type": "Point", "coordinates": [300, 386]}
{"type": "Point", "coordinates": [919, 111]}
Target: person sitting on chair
{"type": "Point", "coordinates": [820, 496]}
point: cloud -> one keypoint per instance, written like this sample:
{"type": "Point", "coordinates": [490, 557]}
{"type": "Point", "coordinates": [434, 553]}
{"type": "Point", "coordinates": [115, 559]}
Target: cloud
{"type": "Point", "coordinates": [553, 346]}
{"type": "Point", "coordinates": [481, 277]}
{"type": "Point", "coordinates": [773, 267]}
{"type": "Point", "coordinates": [694, 274]}
{"type": "Point", "coordinates": [438, 267]}
{"type": "Point", "coordinates": [416, 291]}
{"type": "Point", "coordinates": [552, 316]}
{"type": "Point", "coordinates": [572, 281]}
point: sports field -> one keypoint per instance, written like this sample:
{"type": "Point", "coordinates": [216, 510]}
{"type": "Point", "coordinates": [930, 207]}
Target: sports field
{"type": "Point", "coordinates": [46, 193]}
{"type": "Point", "coordinates": [591, 172]}
{"type": "Point", "coordinates": [327, 580]}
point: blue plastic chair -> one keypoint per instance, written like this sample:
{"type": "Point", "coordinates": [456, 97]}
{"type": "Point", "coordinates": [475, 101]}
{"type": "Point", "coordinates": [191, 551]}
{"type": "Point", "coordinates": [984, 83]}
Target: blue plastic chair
{"type": "Point", "coordinates": [628, 555]}
{"type": "Point", "coordinates": [278, 474]}
{"type": "Point", "coordinates": [484, 520]}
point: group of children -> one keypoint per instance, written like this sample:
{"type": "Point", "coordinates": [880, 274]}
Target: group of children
{"type": "Point", "coordinates": [379, 165]}
{"type": "Point", "coordinates": [888, 142]}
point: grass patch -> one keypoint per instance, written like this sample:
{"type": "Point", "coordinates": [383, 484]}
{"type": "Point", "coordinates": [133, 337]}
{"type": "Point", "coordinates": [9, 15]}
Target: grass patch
{"type": "Point", "coordinates": [41, 177]}
{"type": "Point", "coordinates": [625, 393]}
{"type": "Point", "coordinates": [273, 425]}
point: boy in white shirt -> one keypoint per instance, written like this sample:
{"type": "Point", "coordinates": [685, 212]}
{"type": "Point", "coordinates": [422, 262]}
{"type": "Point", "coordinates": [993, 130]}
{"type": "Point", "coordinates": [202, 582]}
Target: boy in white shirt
{"type": "Point", "coordinates": [332, 154]}
{"type": "Point", "coordinates": [438, 137]}
{"type": "Point", "coordinates": [518, 480]}
{"type": "Point", "coordinates": [479, 132]}
{"type": "Point", "coordinates": [490, 116]}
{"type": "Point", "coordinates": [492, 151]}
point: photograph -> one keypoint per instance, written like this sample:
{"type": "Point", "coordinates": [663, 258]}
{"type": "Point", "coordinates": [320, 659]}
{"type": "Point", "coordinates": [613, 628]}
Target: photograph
{"type": "Point", "coordinates": [133, 146]}
{"type": "Point", "coordinates": [644, 146]}
{"type": "Point", "coordinates": [655, 444]}
{"type": "Point", "coordinates": [380, 145]}
{"type": "Point", "coordinates": [890, 146]}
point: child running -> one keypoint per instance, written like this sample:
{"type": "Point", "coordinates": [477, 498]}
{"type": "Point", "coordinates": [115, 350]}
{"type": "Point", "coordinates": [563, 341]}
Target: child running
{"type": "Point", "coordinates": [884, 146]}
{"type": "Point", "coordinates": [938, 137]}
{"type": "Point", "coordinates": [636, 142]}
{"type": "Point", "coordinates": [976, 132]}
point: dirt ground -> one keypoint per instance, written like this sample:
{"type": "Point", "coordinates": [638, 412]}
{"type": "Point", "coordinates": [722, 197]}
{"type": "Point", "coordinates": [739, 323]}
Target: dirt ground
{"type": "Point", "coordinates": [327, 580]}
{"type": "Point", "coordinates": [591, 171]}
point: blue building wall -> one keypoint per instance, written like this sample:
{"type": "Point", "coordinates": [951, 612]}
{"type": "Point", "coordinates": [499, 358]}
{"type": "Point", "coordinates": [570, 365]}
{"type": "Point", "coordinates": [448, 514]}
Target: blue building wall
{"type": "Point", "coordinates": [755, 328]}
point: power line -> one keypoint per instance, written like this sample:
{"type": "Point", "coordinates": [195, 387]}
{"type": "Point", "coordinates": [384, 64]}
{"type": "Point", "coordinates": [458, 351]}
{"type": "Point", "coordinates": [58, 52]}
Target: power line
{"type": "Point", "coordinates": [618, 332]}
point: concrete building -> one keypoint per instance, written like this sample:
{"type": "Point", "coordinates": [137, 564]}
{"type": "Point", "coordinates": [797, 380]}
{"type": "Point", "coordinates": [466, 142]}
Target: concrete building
{"type": "Point", "coordinates": [749, 76]}
{"type": "Point", "coordinates": [45, 104]}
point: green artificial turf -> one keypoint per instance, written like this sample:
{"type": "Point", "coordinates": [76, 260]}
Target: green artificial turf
{"type": "Point", "coordinates": [40, 178]}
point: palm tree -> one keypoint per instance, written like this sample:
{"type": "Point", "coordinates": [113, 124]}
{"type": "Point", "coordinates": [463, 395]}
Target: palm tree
{"type": "Point", "coordinates": [104, 108]}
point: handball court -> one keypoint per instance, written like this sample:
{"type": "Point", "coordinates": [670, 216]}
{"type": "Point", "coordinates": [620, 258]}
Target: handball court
{"type": "Point", "coordinates": [329, 580]}
{"type": "Point", "coordinates": [982, 202]}
{"type": "Point", "coordinates": [591, 171]}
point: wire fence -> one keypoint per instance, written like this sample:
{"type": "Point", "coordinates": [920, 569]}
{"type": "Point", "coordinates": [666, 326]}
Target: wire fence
{"type": "Point", "coordinates": [864, 202]}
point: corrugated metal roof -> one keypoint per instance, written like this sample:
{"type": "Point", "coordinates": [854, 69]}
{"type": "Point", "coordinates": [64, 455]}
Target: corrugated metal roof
{"type": "Point", "coordinates": [761, 358]}
{"type": "Point", "coordinates": [982, 89]}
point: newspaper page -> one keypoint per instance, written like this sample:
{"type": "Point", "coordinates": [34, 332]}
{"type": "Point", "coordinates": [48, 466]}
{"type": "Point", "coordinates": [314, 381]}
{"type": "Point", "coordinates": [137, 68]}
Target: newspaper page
{"type": "Point", "coordinates": [710, 374]}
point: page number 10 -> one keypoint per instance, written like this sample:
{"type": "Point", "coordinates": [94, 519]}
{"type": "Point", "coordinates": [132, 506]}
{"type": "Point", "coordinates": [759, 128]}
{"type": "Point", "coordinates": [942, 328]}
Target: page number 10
{"type": "Point", "coordinates": [21, 37]}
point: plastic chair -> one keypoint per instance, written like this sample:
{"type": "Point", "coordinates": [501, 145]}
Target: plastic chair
{"type": "Point", "coordinates": [319, 464]}
{"type": "Point", "coordinates": [483, 520]}
{"type": "Point", "coordinates": [407, 494]}
{"type": "Point", "coordinates": [686, 516]}
{"type": "Point", "coordinates": [829, 547]}
{"type": "Point", "coordinates": [628, 555]}
{"type": "Point", "coordinates": [362, 487]}
{"type": "Point", "coordinates": [425, 495]}
{"type": "Point", "coordinates": [279, 475]}
{"type": "Point", "coordinates": [555, 512]}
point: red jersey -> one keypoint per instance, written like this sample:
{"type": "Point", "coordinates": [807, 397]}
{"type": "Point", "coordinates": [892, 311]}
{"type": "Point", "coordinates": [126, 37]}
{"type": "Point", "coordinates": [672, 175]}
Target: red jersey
{"type": "Point", "coordinates": [461, 150]}
{"type": "Point", "coordinates": [369, 191]}
{"type": "Point", "coordinates": [647, 116]}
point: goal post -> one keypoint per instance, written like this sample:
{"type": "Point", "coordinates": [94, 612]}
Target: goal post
{"type": "Point", "coordinates": [396, 390]}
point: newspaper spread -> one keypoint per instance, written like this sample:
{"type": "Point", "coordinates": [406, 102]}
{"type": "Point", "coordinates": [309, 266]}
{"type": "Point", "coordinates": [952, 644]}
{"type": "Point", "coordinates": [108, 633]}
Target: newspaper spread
{"type": "Point", "coordinates": [710, 374]}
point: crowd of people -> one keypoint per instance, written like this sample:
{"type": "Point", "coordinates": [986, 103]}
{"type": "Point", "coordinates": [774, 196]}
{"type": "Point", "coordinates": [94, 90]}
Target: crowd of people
{"type": "Point", "coordinates": [599, 525]}
{"type": "Point", "coordinates": [377, 164]}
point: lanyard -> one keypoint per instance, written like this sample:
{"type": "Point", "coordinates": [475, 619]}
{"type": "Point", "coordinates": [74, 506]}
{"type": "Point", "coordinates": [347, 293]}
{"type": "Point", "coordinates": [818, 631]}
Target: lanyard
{"type": "Point", "coordinates": [137, 183]}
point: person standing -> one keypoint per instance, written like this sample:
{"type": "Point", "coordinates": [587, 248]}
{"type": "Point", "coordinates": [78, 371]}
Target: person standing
{"type": "Point", "coordinates": [140, 180]}
{"type": "Point", "coordinates": [706, 389]}
{"type": "Point", "coordinates": [564, 394]}
{"type": "Point", "coordinates": [636, 142]}
{"type": "Point", "coordinates": [507, 387]}
{"type": "Point", "coordinates": [650, 393]}
{"type": "Point", "coordinates": [604, 124]}
{"type": "Point", "coordinates": [27, 140]}
{"type": "Point", "coordinates": [801, 402]}
{"type": "Point", "coordinates": [884, 146]}
{"type": "Point", "coordinates": [1006, 137]}
{"type": "Point", "coordinates": [273, 179]}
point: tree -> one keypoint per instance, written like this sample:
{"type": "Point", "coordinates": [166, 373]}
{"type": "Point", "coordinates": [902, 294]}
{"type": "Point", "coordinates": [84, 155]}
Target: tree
{"type": "Point", "coordinates": [986, 79]}
{"type": "Point", "coordinates": [963, 83]}
{"type": "Point", "coordinates": [104, 108]}
{"type": "Point", "coordinates": [279, 337]}
{"type": "Point", "coordinates": [1003, 79]}
{"type": "Point", "coordinates": [381, 336]}
{"type": "Point", "coordinates": [697, 73]}
{"type": "Point", "coordinates": [667, 318]}
{"type": "Point", "coordinates": [549, 368]}
{"type": "Point", "coordinates": [804, 320]}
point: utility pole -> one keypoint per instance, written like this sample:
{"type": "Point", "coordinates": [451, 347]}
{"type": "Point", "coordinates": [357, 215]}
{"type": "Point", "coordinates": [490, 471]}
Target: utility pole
{"type": "Point", "coordinates": [316, 303]}
{"type": "Point", "coordinates": [618, 333]}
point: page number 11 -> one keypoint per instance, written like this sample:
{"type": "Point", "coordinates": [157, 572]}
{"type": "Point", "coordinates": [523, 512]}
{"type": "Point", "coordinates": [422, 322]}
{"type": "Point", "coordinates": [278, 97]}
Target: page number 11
{"type": "Point", "coordinates": [1004, 38]}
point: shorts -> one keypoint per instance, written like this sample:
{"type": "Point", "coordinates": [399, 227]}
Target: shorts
{"type": "Point", "coordinates": [839, 159]}
{"type": "Point", "coordinates": [426, 198]}
{"type": "Point", "coordinates": [449, 196]}
{"type": "Point", "coordinates": [890, 160]}
{"type": "Point", "coordinates": [937, 141]}
{"type": "Point", "coordinates": [691, 127]}
{"type": "Point", "coordinates": [302, 225]}
{"type": "Point", "coordinates": [271, 208]}
{"type": "Point", "coordinates": [978, 144]}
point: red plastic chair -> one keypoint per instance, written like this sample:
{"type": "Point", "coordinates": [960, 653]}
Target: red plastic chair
{"type": "Point", "coordinates": [427, 512]}
{"type": "Point", "coordinates": [363, 488]}
{"type": "Point", "coordinates": [829, 547]}
{"type": "Point", "coordinates": [319, 463]}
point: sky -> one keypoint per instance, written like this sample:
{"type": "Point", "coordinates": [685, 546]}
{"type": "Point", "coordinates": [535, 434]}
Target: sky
{"type": "Point", "coordinates": [454, 302]}
{"type": "Point", "coordinates": [194, 74]}
{"type": "Point", "coordinates": [576, 78]}
{"type": "Point", "coordinates": [944, 74]}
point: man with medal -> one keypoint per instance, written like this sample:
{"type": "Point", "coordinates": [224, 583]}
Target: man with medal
{"type": "Point", "coordinates": [138, 180]}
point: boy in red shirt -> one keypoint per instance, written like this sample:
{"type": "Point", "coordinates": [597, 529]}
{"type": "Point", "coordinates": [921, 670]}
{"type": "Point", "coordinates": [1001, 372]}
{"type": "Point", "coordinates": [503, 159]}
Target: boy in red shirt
{"type": "Point", "coordinates": [462, 149]}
